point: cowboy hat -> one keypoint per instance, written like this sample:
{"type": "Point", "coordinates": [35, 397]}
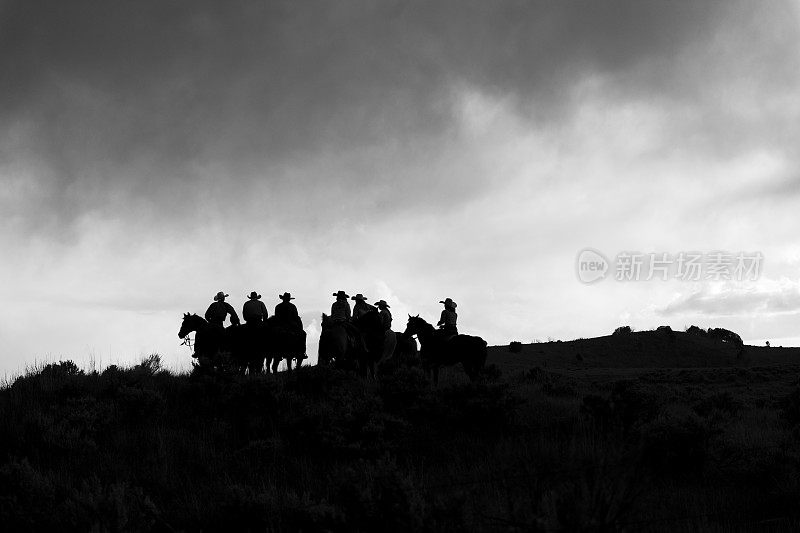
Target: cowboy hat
{"type": "Point", "coordinates": [359, 296]}
{"type": "Point", "coordinates": [220, 296]}
{"type": "Point", "coordinates": [340, 294]}
{"type": "Point", "coordinates": [254, 296]}
{"type": "Point", "coordinates": [382, 303]}
{"type": "Point", "coordinates": [286, 296]}
{"type": "Point", "coordinates": [448, 301]}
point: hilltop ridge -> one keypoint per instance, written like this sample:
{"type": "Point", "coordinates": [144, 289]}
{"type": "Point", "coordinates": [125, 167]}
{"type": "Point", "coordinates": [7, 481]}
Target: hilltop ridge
{"type": "Point", "coordinates": [639, 349]}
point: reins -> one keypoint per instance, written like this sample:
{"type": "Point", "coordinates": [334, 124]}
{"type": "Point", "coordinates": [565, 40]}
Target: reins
{"type": "Point", "coordinates": [187, 341]}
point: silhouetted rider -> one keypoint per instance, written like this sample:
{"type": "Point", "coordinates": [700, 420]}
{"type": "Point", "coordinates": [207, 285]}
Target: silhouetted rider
{"type": "Point", "coordinates": [361, 306]}
{"type": "Point", "coordinates": [340, 309]}
{"type": "Point", "coordinates": [286, 312]}
{"type": "Point", "coordinates": [340, 315]}
{"type": "Point", "coordinates": [254, 311]}
{"type": "Point", "coordinates": [287, 317]}
{"type": "Point", "coordinates": [447, 321]}
{"type": "Point", "coordinates": [385, 314]}
{"type": "Point", "coordinates": [219, 310]}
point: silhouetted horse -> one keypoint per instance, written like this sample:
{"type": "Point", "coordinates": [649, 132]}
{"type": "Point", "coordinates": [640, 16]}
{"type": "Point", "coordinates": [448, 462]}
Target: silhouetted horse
{"type": "Point", "coordinates": [284, 342]}
{"type": "Point", "coordinates": [337, 346]}
{"type": "Point", "coordinates": [378, 344]}
{"type": "Point", "coordinates": [358, 346]}
{"type": "Point", "coordinates": [241, 346]}
{"type": "Point", "coordinates": [249, 346]}
{"type": "Point", "coordinates": [405, 350]}
{"type": "Point", "coordinates": [437, 350]}
{"type": "Point", "coordinates": [210, 342]}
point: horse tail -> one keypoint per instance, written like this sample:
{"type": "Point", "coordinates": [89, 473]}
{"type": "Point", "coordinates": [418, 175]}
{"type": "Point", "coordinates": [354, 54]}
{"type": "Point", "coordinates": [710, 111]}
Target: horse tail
{"type": "Point", "coordinates": [389, 345]}
{"type": "Point", "coordinates": [329, 345]}
{"type": "Point", "coordinates": [483, 353]}
{"type": "Point", "coordinates": [476, 360]}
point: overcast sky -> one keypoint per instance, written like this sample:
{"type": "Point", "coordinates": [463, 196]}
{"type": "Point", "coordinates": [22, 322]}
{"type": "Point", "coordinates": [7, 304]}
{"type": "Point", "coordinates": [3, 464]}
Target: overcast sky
{"type": "Point", "coordinates": [153, 153]}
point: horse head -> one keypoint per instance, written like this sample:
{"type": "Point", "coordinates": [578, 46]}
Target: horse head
{"type": "Point", "coordinates": [191, 322]}
{"type": "Point", "coordinates": [415, 325]}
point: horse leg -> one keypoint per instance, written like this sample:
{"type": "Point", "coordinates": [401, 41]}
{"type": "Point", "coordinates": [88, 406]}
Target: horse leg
{"type": "Point", "coordinates": [255, 366]}
{"type": "Point", "coordinates": [470, 370]}
{"type": "Point", "coordinates": [289, 363]}
{"type": "Point", "coordinates": [204, 362]}
{"type": "Point", "coordinates": [276, 361]}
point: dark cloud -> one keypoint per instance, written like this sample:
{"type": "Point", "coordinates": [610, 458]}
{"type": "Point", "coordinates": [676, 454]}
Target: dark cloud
{"type": "Point", "coordinates": [129, 101]}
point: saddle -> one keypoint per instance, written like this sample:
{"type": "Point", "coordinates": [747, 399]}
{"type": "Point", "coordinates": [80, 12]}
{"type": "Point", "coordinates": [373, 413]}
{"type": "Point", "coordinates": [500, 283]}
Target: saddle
{"type": "Point", "coordinates": [444, 335]}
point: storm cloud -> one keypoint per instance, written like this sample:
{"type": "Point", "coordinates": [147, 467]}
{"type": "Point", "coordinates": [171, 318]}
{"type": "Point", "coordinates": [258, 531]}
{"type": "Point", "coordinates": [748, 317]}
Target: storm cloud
{"type": "Point", "coordinates": [111, 102]}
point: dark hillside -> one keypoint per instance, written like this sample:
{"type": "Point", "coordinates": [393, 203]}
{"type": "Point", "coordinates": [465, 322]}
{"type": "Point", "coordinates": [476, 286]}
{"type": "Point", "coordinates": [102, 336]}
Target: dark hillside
{"type": "Point", "coordinates": [644, 349]}
{"type": "Point", "coordinates": [526, 448]}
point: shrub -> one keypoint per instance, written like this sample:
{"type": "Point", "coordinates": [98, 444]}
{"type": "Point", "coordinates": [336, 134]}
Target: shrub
{"type": "Point", "coordinates": [623, 330]}
{"type": "Point", "coordinates": [57, 381]}
{"type": "Point", "coordinates": [720, 402]}
{"type": "Point", "coordinates": [596, 500]}
{"type": "Point", "coordinates": [694, 330]}
{"type": "Point", "coordinates": [31, 500]}
{"type": "Point", "coordinates": [403, 388]}
{"type": "Point", "coordinates": [482, 408]}
{"type": "Point", "coordinates": [62, 368]}
{"type": "Point", "coordinates": [377, 496]}
{"type": "Point", "coordinates": [318, 381]}
{"type": "Point", "coordinates": [597, 409]}
{"type": "Point", "coordinates": [150, 364]}
{"type": "Point", "coordinates": [515, 347]}
{"type": "Point", "coordinates": [26, 497]}
{"type": "Point", "coordinates": [632, 404]}
{"type": "Point", "coordinates": [667, 332]}
{"type": "Point", "coordinates": [491, 373]}
{"type": "Point", "coordinates": [725, 335]}
{"type": "Point", "coordinates": [552, 383]}
{"type": "Point", "coordinates": [789, 407]}
{"type": "Point", "coordinates": [137, 404]}
{"type": "Point", "coordinates": [350, 423]}
{"type": "Point", "coordinates": [675, 443]}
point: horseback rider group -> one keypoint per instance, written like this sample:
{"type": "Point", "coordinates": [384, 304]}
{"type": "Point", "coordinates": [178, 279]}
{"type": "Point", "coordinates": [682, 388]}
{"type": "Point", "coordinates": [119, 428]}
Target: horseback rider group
{"type": "Point", "coordinates": [361, 336]}
{"type": "Point", "coordinates": [255, 312]}
{"type": "Point", "coordinates": [342, 316]}
{"type": "Point", "coordinates": [287, 338]}
{"type": "Point", "coordinates": [340, 311]}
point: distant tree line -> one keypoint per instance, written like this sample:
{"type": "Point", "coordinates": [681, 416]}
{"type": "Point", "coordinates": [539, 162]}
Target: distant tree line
{"type": "Point", "coordinates": [720, 334]}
